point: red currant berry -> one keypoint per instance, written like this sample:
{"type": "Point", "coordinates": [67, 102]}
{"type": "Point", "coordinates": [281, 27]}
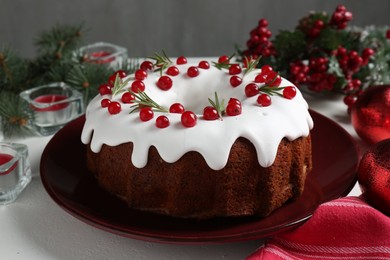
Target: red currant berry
{"type": "Point", "coordinates": [233, 109]}
{"type": "Point", "coordinates": [140, 74]}
{"type": "Point", "coordinates": [275, 81]}
{"type": "Point", "coordinates": [164, 83]}
{"type": "Point", "coordinates": [146, 65]}
{"type": "Point", "coordinates": [162, 122]}
{"type": "Point", "coordinates": [210, 113]}
{"type": "Point", "coordinates": [176, 108]}
{"type": "Point", "coordinates": [105, 89]}
{"type": "Point", "coordinates": [204, 65]}
{"type": "Point", "coordinates": [173, 71]}
{"type": "Point", "coordinates": [188, 119]}
{"type": "Point", "coordinates": [181, 60]}
{"type": "Point", "coordinates": [388, 34]}
{"type": "Point", "coordinates": [265, 69]}
{"type": "Point", "coordinates": [193, 71]}
{"type": "Point", "coordinates": [264, 100]}
{"type": "Point", "coordinates": [127, 98]}
{"type": "Point", "coordinates": [105, 102]}
{"type": "Point", "coordinates": [137, 86]}
{"type": "Point", "coordinates": [251, 90]}
{"type": "Point", "coordinates": [289, 92]}
{"type": "Point", "coordinates": [223, 59]}
{"type": "Point", "coordinates": [145, 114]}
{"type": "Point", "coordinates": [234, 69]}
{"type": "Point", "coordinates": [121, 74]}
{"type": "Point", "coordinates": [260, 78]}
{"type": "Point", "coordinates": [114, 108]}
{"type": "Point", "coordinates": [235, 81]}
{"type": "Point", "coordinates": [234, 101]}
{"type": "Point", "coordinates": [349, 100]}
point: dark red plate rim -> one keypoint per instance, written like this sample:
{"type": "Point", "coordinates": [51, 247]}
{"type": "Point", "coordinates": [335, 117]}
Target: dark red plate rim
{"type": "Point", "coordinates": [68, 182]}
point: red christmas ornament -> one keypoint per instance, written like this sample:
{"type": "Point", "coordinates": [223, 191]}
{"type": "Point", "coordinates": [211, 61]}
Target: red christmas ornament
{"type": "Point", "coordinates": [370, 115]}
{"type": "Point", "coordinates": [374, 176]}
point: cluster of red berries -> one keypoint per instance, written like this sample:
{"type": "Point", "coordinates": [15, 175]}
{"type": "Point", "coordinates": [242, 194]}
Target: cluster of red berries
{"type": "Point", "coordinates": [350, 61]}
{"type": "Point", "coordinates": [340, 17]}
{"type": "Point", "coordinates": [271, 81]}
{"type": "Point", "coordinates": [259, 43]}
{"type": "Point", "coordinates": [233, 108]}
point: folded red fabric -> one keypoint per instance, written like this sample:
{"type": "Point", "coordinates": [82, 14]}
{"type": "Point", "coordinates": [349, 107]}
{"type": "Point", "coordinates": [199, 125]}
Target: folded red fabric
{"type": "Point", "coordinates": [345, 228]}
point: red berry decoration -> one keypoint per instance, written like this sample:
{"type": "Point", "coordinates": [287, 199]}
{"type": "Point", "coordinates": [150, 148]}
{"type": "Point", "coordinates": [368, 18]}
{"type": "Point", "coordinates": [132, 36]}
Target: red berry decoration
{"type": "Point", "coordinates": [145, 114]}
{"type": "Point", "coordinates": [188, 119]}
{"type": "Point", "coordinates": [105, 89]}
{"type": "Point", "coordinates": [204, 65]}
{"type": "Point", "coordinates": [114, 108]}
{"type": "Point", "coordinates": [162, 122]}
{"type": "Point", "coordinates": [164, 83]}
{"type": "Point", "coordinates": [264, 100]}
{"type": "Point", "coordinates": [234, 107]}
{"type": "Point", "coordinates": [173, 71]}
{"type": "Point", "coordinates": [234, 69]}
{"type": "Point", "coordinates": [388, 34]}
{"type": "Point", "coordinates": [176, 108]}
{"type": "Point", "coordinates": [210, 113]}
{"type": "Point", "coordinates": [140, 74]}
{"type": "Point", "coordinates": [374, 176]}
{"type": "Point", "coordinates": [251, 90]}
{"type": "Point", "coordinates": [146, 65]}
{"type": "Point", "coordinates": [105, 102]}
{"type": "Point", "coordinates": [235, 81]}
{"type": "Point", "coordinates": [181, 60]}
{"type": "Point", "coordinates": [193, 71]}
{"type": "Point", "coordinates": [127, 98]}
{"type": "Point", "coordinates": [289, 92]}
{"type": "Point", "coordinates": [137, 86]}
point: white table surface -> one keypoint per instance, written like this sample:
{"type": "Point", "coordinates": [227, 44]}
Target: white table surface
{"type": "Point", "coordinates": [34, 227]}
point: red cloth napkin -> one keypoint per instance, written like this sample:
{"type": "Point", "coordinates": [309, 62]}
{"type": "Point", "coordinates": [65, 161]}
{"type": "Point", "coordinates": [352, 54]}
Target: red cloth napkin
{"type": "Point", "coordinates": [346, 228]}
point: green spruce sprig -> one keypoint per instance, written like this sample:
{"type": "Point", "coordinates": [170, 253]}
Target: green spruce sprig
{"type": "Point", "coordinates": [218, 105]}
{"type": "Point", "coordinates": [143, 100]}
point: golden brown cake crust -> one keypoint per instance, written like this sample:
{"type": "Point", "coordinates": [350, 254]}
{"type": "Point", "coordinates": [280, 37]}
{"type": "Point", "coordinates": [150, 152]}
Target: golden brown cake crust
{"type": "Point", "coordinates": [188, 188]}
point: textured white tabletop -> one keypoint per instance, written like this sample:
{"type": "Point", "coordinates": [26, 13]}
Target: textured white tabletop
{"type": "Point", "coordinates": [34, 227]}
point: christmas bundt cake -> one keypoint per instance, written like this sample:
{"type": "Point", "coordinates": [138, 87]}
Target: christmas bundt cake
{"type": "Point", "coordinates": [199, 140]}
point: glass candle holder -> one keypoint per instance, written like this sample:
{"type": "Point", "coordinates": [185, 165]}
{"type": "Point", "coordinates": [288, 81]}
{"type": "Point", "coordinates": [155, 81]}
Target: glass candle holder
{"type": "Point", "coordinates": [104, 53]}
{"type": "Point", "coordinates": [52, 106]}
{"type": "Point", "coordinates": [15, 172]}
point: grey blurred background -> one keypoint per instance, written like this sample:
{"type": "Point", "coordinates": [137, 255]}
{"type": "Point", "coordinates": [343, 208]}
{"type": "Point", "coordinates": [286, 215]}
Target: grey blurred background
{"type": "Point", "coordinates": [180, 27]}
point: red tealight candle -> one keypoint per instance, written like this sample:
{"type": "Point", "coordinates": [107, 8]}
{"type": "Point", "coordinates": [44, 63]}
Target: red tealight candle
{"type": "Point", "coordinates": [51, 99]}
{"type": "Point", "coordinates": [99, 57]}
{"type": "Point", "coordinates": [5, 158]}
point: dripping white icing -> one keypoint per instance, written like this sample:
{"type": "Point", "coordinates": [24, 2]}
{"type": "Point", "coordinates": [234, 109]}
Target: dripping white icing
{"type": "Point", "coordinates": [265, 127]}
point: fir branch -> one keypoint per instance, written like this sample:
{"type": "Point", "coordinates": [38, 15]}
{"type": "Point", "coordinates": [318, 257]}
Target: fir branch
{"type": "Point", "coordinates": [13, 113]}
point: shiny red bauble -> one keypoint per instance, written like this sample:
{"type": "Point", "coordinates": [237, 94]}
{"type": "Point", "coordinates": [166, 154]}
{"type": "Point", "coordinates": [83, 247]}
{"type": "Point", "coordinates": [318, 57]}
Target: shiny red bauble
{"type": "Point", "coordinates": [370, 115]}
{"type": "Point", "coordinates": [374, 176]}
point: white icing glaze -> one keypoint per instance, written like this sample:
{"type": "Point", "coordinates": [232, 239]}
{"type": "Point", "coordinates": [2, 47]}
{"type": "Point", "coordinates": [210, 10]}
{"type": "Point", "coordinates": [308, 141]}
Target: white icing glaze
{"type": "Point", "coordinates": [263, 126]}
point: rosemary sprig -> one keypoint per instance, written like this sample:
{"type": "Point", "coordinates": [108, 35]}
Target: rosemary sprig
{"type": "Point", "coordinates": [218, 105]}
{"type": "Point", "coordinates": [119, 84]}
{"type": "Point", "coordinates": [225, 64]}
{"type": "Point", "coordinates": [161, 61]}
{"type": "Point", "coordinates": [143, 100]}
{"type": "Point", "coordinates": [251, 64]}
{"type": "Point", "coordinates": [271, 90]}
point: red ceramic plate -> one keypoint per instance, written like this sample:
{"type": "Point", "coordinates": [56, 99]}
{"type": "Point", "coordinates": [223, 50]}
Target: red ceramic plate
{"type": "Point", "coordinates": [72, 187]}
